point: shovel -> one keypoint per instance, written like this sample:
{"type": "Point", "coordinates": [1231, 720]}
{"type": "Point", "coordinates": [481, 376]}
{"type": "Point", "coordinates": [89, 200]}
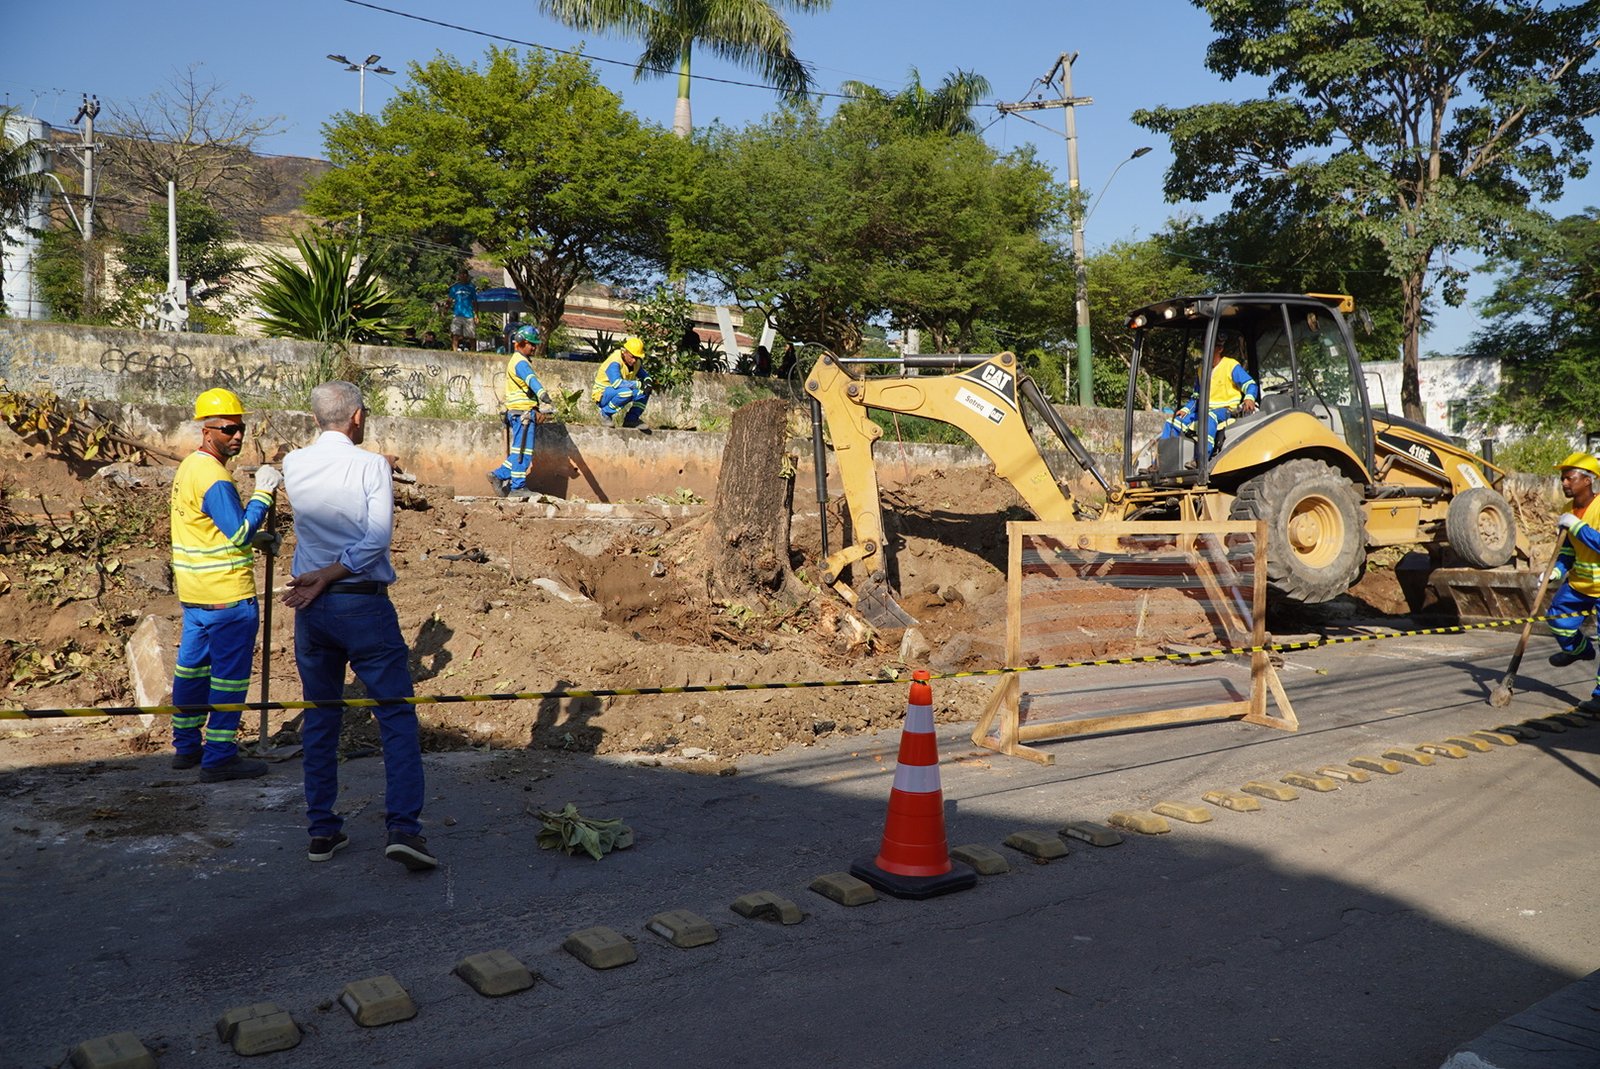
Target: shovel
{"type": "Point", "coordinates": [268, 543]}
{"type": "Point", "coordinates": [1500, 696]}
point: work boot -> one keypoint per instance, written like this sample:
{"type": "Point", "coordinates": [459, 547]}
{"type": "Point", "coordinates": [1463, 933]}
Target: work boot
{"type": "Point", "coordinates": [1589, 706]}
{"type": "Point", "coordinates": [500, 485]}
{"type": "Point", "coordinates": [410, 850]}
{"type": "Point", "coordinates": [235, 767]}
{"type": "Point", "coordinates": [607, 421]}
{"type": "Point", "coordinates": [181, 761]}
{"type": "Point", "coordinates": [1561, 658]}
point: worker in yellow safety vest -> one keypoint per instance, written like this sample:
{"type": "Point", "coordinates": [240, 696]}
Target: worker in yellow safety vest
{"type": "Point", "coordinates": [1233, 393]}
{"type": "Point", "coordinates": [1577, 567]}
{"type": "Point", "coordinates": [621, 385]}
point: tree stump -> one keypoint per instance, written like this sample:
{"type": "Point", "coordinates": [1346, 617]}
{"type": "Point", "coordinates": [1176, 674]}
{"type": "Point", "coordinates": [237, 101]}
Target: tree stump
{"type": "Point", "coordinates": [755, 497]}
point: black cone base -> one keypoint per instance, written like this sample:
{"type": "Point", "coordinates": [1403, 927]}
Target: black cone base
{"type": "Point", "coordinates": [959, 878]}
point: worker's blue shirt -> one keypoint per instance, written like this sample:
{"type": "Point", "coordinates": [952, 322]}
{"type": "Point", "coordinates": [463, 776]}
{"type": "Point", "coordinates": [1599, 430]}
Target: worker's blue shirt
{"type": "Point", "coordinates": [463, 300]}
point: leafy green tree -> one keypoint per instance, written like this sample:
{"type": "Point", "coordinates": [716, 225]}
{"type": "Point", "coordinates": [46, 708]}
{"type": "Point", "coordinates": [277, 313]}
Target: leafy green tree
{"type": "Point", "coordinates": [533, 159]}
{"type": "Point", "coordinates": [1424, 128]}
{"type": "Point", "coordinates": [1544, 328]}
{"type": "Point", "coordinates": [750, 33]}
{"type": "Point", "coordinates": [1125, 276]}
{"type": "Point", "coordinates": [946, 109]}
{"type": "Point", "coordinates": [207, 258]}
{"type": "Point", "coordinates": [417, 269]}
{"type": "Point", "coordinates": [329, 296]}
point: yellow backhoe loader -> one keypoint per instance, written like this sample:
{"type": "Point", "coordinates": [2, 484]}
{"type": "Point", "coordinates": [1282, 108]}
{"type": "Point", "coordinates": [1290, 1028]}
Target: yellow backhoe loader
{"type": "Point", "coordinates": [1331, 475]}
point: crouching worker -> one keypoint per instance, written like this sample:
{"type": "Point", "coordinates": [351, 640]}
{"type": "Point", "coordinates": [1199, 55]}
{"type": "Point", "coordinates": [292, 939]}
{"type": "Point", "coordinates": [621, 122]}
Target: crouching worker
{"type": "Point", "coordinates": [1577, 568]}
{"type": "Point", "coordinates": [1232, 389]}
{"type": "Point", "coordinates": [622, 385]}
{"type": "Point", "coordinates": [213, 571]}
{"type": "Point", "coordinates": [524, 394]}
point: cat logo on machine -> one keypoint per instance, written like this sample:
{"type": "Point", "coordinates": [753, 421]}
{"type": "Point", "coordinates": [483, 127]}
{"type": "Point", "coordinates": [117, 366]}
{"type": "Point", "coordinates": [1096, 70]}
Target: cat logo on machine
{"type": "Point", "coordinates": [996, 380]}
{"type": "Point", "coordinates": [1416, 450]}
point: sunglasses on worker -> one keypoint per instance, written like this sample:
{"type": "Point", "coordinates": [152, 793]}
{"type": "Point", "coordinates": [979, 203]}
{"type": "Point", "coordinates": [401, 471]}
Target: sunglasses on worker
{"type": "Point", "coordinates": [227, 430]}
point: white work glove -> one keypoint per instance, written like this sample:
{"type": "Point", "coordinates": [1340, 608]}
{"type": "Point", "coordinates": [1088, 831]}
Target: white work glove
{"type": "Point", "coordinates": [1567, 521]}
{"type": "Point", "coordinates": [268, 479]}
{"type": "Point", "coordinates": [1554, 575]}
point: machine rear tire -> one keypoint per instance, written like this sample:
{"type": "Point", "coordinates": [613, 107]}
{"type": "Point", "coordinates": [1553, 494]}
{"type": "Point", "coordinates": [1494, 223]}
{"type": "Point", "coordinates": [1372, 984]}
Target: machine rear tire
{"type": "Point", "coordinates": [1481, 528]}
{"type": "Point", "coordinates": [1316, 532]}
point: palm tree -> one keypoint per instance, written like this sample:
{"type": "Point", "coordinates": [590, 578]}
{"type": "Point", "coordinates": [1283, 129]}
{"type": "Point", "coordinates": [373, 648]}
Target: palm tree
{"type": "Point", "coordinates": [945, 110]}
{"type": "Point", "coordinates": [751, 33]}
{"type": "Point", "coordinates": [334, 298]}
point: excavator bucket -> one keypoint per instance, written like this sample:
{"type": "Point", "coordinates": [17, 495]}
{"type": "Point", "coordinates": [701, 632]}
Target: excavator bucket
{"type": "Point", "coordinates": [1482, 595]}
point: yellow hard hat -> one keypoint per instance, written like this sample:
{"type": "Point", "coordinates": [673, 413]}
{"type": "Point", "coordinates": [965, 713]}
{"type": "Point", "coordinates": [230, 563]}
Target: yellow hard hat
{"type": "Point", "coordinates": [1581, 461]}
{"type": "Point", "coordinates": [218, 402]}
{"type": "Point", "coordinates": [634, 346]}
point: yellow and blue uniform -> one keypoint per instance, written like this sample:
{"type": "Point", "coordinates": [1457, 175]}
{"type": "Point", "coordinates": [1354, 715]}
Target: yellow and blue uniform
{"type": "Point", "coordinates": [1230, 385]}
{"type": "Point", "coordinates": [524, 394]}
{"type": "Point", "coordinates": [1579, 565]}
{"type": "Point", "coordinates": [614, 392]}
{"type": "Point", "coordinates": [213, 572]}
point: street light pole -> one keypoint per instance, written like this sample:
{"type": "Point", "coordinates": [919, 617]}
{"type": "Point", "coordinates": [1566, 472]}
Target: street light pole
{"type": "Point", "coordinates": [361, 69]}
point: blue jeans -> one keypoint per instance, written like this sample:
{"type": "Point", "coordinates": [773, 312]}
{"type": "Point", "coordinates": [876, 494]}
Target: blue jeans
{"type": "Point", "coordinates": [214, 659]}
{"type": "Point", "coordinates": [520, 459]}
{"type": "Point", "coordinates": [363, 632]}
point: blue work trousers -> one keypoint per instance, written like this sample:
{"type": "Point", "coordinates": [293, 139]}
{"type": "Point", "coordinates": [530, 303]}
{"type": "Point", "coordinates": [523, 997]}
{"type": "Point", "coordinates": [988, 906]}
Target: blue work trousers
{"type": "Point", "coordinates": [520, 459]}
{"type": "Point", "coordinates": [1567, 609]}
{"type": "Point", "coordinates": [363, 632]}
{"type": "Point", "coordinates": [1216, 419]}
{"type": "Point", "coordinates": [628, 397]}
{"type": "Point", "coordinates": [215, 655]}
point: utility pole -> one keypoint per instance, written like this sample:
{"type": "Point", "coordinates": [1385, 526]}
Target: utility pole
{"type": "Point", "coordinates": [1068, 102]}
{"type": "Point", "coordinates": [86, 113]}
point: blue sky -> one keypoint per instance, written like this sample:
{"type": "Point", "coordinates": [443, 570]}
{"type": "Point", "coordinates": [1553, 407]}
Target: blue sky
{"type": "Point", "coordinates": [1132, 54]}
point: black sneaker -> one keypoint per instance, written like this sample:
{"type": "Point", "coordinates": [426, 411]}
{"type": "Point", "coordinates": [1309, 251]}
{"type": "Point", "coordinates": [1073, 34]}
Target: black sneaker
{"type": "Point", "coordinates": [182, 761]}
{"type": "Point", "coordinates": [1589, 706]}
{"type": "Point", "coordinates": [1561, 658]}
{"type": "Point", "coordinates": [500, 485]}
{"type": "Point", "coordinates": [324, 847]}
{"type": "Point", "coordinates": [410, 850]}
{"type": "Point", "coordinates": [235, 767]}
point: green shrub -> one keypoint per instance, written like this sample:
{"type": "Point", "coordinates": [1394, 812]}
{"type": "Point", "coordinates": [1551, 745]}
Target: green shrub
{"type": "Point", "coordinates": [1534, 454]}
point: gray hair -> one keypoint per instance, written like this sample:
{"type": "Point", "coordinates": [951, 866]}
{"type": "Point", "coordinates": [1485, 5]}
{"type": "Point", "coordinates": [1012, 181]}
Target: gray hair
{"type": "Point", "coordinates": [333, 403]}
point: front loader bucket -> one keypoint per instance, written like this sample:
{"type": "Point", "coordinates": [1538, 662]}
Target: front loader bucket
{"type": "Point", "coordinates": [1485, 594]}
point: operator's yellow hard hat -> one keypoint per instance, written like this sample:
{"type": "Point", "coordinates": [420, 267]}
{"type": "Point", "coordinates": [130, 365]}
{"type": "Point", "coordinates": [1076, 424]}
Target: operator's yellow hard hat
{"type": "Point", "coordinates": [634, 346]}
{"type": "Point", "coordinates": [218, 402]}
{"type": "Point", "coordinates": [1581, 461]}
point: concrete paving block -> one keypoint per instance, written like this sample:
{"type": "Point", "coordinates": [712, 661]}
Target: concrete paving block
{"type": "Point", "coordinates": [1348, 775]}
{"type": "Point", "coordinates": [120, 1050]}
{"type": "Point", "coordinates": [1407, 757]}
{"type": "Point", "coordinates": [984, 861]}
{"type": "Point", "coordinates": [1187, 812]}
{"type": "Point", "coordinates": [844, 889]}
{"type": "Point", "coordinates": [1467, 742]}
{"type": "Point", "coordinates": [1276, 791]}
{"type": "Point", "coordinates": [1087, 831]}
{"type": "Point", "coordinates": [682, 928]}
{"type": "Point", "coordinates": [494, 973]}
{"type": "Point", "coordinates": [1239, 803]}
{"type": "Point", "coordinates": [376, 1001]}
{"type": "Point", "coordinates": [229, 1022]}
{"type": "Point", "coordinates": [768, 906]}
{"type": "Point", "coordinates": [1377, 764]}
{"type": "Point", "coordinates": [1548, 725]}
{"type": "Point", "coordinates": [1307, 781]}
{"type": "Point", "coordinates": [1443, 749]}
{"type": "Point", "coordinates": [600, 948]}
{"type": "Point", "coordinates": [1498, 736]}
{"type": "Point", "coordinates": [1047, 846]}
{"type": "Point", "coordinates": [266, 1034]}
{"type": "Point", "coordinates": [1141, 822]}
{"type": "Point", "coordinates": [1516, 731]}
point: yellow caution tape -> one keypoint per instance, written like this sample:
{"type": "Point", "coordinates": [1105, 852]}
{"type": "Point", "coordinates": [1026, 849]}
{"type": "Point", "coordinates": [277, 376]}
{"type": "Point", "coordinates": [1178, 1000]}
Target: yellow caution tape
{"type": "Point", "coordinates": [725, 688]}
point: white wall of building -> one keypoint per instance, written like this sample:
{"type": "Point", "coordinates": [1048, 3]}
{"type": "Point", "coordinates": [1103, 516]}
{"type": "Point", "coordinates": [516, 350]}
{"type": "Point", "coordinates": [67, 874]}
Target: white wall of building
{"type": "Point", "coordinates": [19, 245]}
{"type": "Point", "coordinates": [1447, 385]}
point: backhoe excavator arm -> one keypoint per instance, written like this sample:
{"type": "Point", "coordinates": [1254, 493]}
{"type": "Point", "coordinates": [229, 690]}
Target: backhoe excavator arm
{"type": "Point", "coordinates": [981, 400]}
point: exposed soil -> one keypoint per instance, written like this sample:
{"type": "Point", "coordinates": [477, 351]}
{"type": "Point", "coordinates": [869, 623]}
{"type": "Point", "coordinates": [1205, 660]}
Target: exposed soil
{"type": "Point", "coordinates": [480, 599]}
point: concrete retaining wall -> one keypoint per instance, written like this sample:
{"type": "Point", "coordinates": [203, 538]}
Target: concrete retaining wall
{"type": "Point", "coordinates": [154, 376]}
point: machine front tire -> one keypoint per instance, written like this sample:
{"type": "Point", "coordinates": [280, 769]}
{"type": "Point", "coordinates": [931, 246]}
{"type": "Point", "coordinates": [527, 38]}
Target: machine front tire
{"type": "Point", "coordinates": [1481, 528]}
{"type": "Point", "coordinates": [1316, 532]}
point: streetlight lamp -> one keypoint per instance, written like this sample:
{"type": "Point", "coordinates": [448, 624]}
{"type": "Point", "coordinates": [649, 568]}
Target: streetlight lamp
{"type": "Point", "coordinates": [370, 63]}
{"type": "Point", "coordinates": [1085, 347]}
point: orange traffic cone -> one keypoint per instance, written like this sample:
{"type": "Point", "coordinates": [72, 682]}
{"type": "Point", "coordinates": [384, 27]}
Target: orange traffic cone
{"type": "Point", "coordinates": [914, 859]}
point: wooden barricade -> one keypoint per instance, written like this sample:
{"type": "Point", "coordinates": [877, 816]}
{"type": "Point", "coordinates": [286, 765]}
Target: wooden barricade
{"type": "Point", "coordinates": [1102, 588]}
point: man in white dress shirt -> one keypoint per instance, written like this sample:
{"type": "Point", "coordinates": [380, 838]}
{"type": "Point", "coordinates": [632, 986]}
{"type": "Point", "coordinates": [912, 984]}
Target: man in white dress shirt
{"type": "Point", "coordinates": [343, 499]}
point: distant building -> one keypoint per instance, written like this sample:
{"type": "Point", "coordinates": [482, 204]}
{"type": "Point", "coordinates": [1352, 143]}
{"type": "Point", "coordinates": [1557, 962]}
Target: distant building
{"type": "Point", "coordinates": [1449, 386]}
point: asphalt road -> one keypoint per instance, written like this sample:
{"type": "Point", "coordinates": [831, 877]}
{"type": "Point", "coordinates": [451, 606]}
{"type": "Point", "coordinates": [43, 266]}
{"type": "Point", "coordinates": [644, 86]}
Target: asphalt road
{"type": "Point", "coordinates": [1380, 925]}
